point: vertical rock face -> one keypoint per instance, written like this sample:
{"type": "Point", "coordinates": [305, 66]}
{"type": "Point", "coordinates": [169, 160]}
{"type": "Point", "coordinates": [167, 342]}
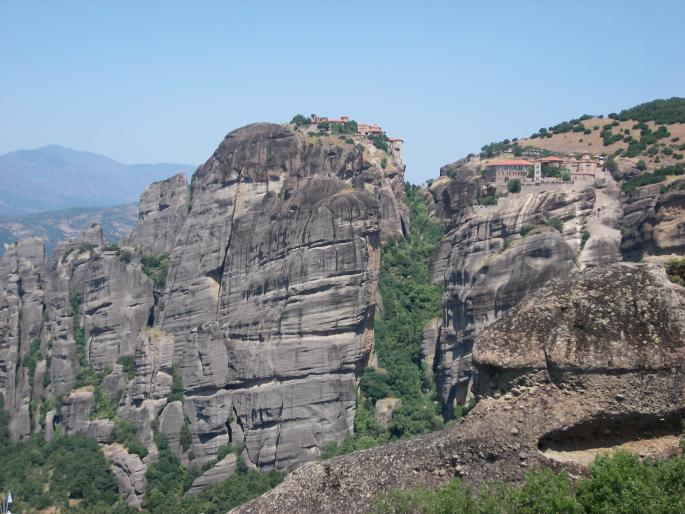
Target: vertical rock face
{"type": "Point", "coordinates": [162, 210]}
{"type": "Point", "coordinates": [270, 293]}
{"type": "Point", "coordinates": [491, 257]}
{"type": "Point", "coordinates": [22, 294]}
{"type": "Point", "coordinates": [116, 300]}
{"type": "Point", "coordinates": [264, 325]}
{"type": "Point", "coordinates": [654, 221]}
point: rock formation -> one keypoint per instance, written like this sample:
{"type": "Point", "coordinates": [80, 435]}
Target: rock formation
{"type": "Point", "coordinates": [590, 361]}
{"type": "Point", "coordinates": [654, 220]}
{"type": "Point", "coordinates": [162, 210]}
{"type": "Point", "coordinates": [492, 256]}
{"type": "Point", "coordinates": [262, 329]}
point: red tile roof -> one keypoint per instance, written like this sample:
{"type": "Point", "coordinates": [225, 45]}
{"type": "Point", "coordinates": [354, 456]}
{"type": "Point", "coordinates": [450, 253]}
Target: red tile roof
{"type": "Point", "coordinates": [512, 162]}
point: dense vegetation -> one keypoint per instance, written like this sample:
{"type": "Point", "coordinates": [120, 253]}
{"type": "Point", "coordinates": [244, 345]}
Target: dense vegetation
{"type": "Point", "coordinates": [71, 473]}
{"type": "Point", "coordinates": [156, 267]}
{"type": "Point", "coordinates": [618, 483]}
{"type": "Point", "coordinates": [409, 302]}
{"type": "Point", "coordinates": [168, 480]}
{"type": "Point", "coordinates": [671, 110]}
{"type": "Point", "coordinates": [68, 471]}
{"type": "Point", "coordinates": [675, 269]}
{"type": "Point", "coordinates": [652, 178]}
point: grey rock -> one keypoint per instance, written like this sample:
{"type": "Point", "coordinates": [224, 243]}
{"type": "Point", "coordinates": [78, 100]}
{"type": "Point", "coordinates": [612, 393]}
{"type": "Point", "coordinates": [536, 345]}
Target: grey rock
{"type": "Point", "coordinates": [221, 471]}
{"type": "Point", "coordinates": [129, 471]}
{"type": "Point", "coordinates": [162, 210]}
{"type": "Point", "coordinates": [648, 371]}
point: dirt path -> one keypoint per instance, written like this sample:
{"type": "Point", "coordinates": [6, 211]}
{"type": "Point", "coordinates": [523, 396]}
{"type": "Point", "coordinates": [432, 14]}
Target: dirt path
{"type": "Point", "coordinates": [644, 448]}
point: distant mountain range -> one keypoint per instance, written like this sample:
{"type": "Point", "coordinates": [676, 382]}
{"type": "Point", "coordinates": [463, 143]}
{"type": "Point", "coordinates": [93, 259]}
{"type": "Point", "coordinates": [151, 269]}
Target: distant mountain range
{"type": "Point", "coordinates": [53, 178]}
{"type": "Point", "coordinates": [55, 226]}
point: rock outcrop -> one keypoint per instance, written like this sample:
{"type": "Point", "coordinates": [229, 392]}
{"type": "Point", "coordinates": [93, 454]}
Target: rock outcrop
{"type": "Point", "coordinates": [654, 220]}
{"type": "Point", "coordinates": [492, 256]}
{"type": "Point", "coordinates": [162, 210]}
{"type": "Point", "coordinates": [270, 295]}
{"type": "Point", "coordinates": [260, 331]}
{"type": "Point", "coordinates": [590, 361]}
{"type": "Point", "coordinates": [221, 471]}
{"type": "Point", "coordinates": [129, 472]}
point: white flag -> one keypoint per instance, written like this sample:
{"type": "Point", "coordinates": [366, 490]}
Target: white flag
{"type": "Point", "coordinates": [9, 497]}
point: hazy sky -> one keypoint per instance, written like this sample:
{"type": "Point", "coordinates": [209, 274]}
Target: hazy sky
{"type": "Point", "coordinates": [149, 81]}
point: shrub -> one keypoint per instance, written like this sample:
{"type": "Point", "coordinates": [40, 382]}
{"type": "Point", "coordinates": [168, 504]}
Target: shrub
{"type": "Point", "coordinates": [524, 231]}
{"type": "Point", "coordinates": [565, 176]}
{"type": "Point", "coordinates": [555, 223]}
{"type": "Point", "coordinates": [299, 120]}
{"type": "Point", "coordinates": [641, 165]}
{"type": "Point", "coordinates": [186, 438]}
{"type": "Point", "coordinates": [156, 267]}
{"type": "Point", "coordinates": [676, 271]}
{"type": "Point", "coordinates": [128, 364]}
{"type": "Point", "coordinates": [584, 238]}
{"type": "Point", "coordinates": [176, 393]}
{"type": "Point", "coordinates": [514, 186]}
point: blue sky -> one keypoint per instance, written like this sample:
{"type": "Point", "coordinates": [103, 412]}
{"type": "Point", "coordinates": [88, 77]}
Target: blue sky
{"type": "Point", "coordinates": [165, 81]}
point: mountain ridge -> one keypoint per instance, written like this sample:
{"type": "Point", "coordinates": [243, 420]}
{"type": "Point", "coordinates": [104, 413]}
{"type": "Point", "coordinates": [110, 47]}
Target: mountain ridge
{"type": "Point", "coordinates": [85, 179]}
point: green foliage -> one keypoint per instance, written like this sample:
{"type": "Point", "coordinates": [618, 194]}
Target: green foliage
{"type": "Point", "coordinates": [652, 178]}
{"type": "Point", "coordinates": [103, 406]}
{"type": "Point", "coordinates": [223, 451]}
{"type": "Point", "coordinates": [112, 248]}
{"type": "Point", "coordinates": [675, 269]}
{"type": "Point", "coordinates": [156, 267]}
{"type": "Point", "coordinates": [671, 110]}
{"type": "Point", "coordinates": [565, 176]}
{"type": "Point", "coordinates": [618, 483]}
{"type": "Point", "coordinates": [622, 483]}
{"type": "Point", "coordinates": [128, 364]}
{"type": "Point", "coordinates": [555, 223]}
{"type": "Point", "coordinates": [384, 162]}
{"type": "Point", "coordinates": [176, 393]}
{"type": "Point", "coordinates": [611, 165]}
{"type": "Point", "coordinates": [641, 165]}
{"type": "Point", "coordinates": [241, 487]}
{"type": "Point", "coordinates": [494, 149]}
{"type": "Point", "coordinates": [31, 360]}
{"type": "Point", "coordinates": [524, 231]}
{"type": "Point", "coordinates": [168, 479]}
{"type": "Point", "coordinates": [124, 432]}
{"type": "Point", "coordinates": [185, 437]}
{"type": "Point", "coordinates": [41, 475]}
{"type": "Point", "coordinates": [375, 384]}
{"type": "Point", "coordinates": [125, 256]}
{"type": "Point", "coordinates": [299, 120]}
{"type": "Point", "coordinates": [380, 141]}
{"type": "Point", "coordinates": [584, 238]}
{"type": "Point", "coordinates": [514, 186]}
{"type": "Point", "coordinates": [489, 198]}
{"type": "Point", "coordinates": [410, 301]}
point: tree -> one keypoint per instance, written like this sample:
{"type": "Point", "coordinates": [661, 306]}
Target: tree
{"type": "Point", "coordinates": [641, 165]}
{"type": "Point", "coordinates": [299, 120]}
{"type": "Point", "coordinates": [565, 176]}
{"type": "Point", "coordinates": [514, 186]}
{"type": "Point", "coordinates": [610, 165]}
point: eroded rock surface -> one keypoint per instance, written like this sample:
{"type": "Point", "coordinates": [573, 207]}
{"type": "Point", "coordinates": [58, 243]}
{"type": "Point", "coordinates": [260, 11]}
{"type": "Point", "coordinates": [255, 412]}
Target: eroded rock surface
{"type": "Point", "coordinates": [271, 289]}
{"type": "Point", "coordinates": [546, 372]}
{"type": "Point", "coordinates": [129, 472]}
{"type": "Point", "coordinates": [162, 210]}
